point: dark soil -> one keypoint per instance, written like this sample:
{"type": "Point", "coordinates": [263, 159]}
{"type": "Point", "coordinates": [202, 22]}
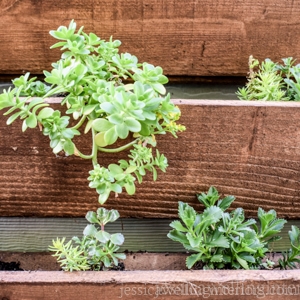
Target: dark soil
{"type": "Point", "coordinates": [10, 266]}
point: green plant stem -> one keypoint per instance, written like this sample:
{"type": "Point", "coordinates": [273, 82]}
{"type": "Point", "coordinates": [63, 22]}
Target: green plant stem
{"type": "Point", "coordinates": [56, 90]}
{"type": "Point", "coordinates": [81, 121]}
{"type": "Point", "coordinates": [94, 149]}
{"type": "Point", "coordinates": [119, 149]}
{"type": "Point", "coordinates": [93, 155]}
{"type": "Point", "coordinates": [130, 75]}
{"type": "Point", "coordinates": [78, 153]}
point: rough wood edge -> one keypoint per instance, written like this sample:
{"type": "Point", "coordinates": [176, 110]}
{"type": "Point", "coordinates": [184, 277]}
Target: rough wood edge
{"type": "Point", "coordinates": [153, 277]}
{"type": "Point", "coordinates": [212, 284]}
{"type": "Point", "coordinates": [207, 102]}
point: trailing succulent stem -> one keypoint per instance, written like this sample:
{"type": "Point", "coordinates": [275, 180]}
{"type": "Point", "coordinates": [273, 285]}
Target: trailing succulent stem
{"type": "Point", "coordinates": [271, 81]}
{"type": "Point", "coordinates": [111, 95]}
{"type": "Point", "coordinates": [220, 239]}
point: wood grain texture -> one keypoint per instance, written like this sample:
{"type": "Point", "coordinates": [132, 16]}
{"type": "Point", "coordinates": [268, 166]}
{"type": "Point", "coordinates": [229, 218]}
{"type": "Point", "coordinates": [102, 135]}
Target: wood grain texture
{"type": "Point", "coordinates": [191, 37]}
{"type": "Point", "coordinates": [247, 149]}
{"type": "Point", "coordinates": [135, 261]}
{"type": "Point", "coordinates": [19, 234]}
{"type": "Point", "coordinates": [134, 285]}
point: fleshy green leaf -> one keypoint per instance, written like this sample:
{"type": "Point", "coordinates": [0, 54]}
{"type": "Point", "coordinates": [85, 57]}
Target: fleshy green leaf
{"type": "Point", "coordinates": [242, 262]}
{"type": "Point", "coordinates": [90, 230]}
{"type": "Point", "coordinates": [226, 202]}
{"type": "Point", "coordinates": [99, 139]}
{"type": "Point", "coordinates": [122, 131]}
{"type": "Point", "coordinates": [69, 147]}
{"type": "Point", "coordinates": [102, 125]}
{"type": "Point", "coordinates": [91, 216]}
{"type": "Point", "coordinates": [103, 197]}
{"type": "Point", "coordinates": [102, 236]}
{"type": "Point", "coordinates": [110, 136]}
{"type": "Point", "coordinates": [116, 119]}
{"type": "Point", "coordinates": [130, 188]}
{"type": "Point", "coordinates": [133, 125]}
{"type": "Point", "coordinates": [217, 258]}
{"type": "Point", "coordinates": [178, 236]}
{"type": "Point", "coordinates": [31, 121]}
{"type": "Point", "coordinates": [178, 226]}
{"type": "Point", "coordinates": [115, 169]}
{"type": "Point", "coordinates": [45, 113]}
{"type": "Point", "coordinates": [13, 117]}
{"type": "Point", "coordinates": [192, 259]}
{"type": "Point", "coordinates": [117, 239]}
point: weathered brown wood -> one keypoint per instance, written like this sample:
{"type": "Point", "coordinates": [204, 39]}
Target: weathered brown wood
{"type": "Point", "coordinates": [135, 261]}
{"type": "Point", "coordinates": [211, 284]}
{"type": "Point", "coordinates": [140, 261]}
{"type": "Point", "coordinates": [248, 149]}
{"type": "Point", "coordinates": [194, 38]}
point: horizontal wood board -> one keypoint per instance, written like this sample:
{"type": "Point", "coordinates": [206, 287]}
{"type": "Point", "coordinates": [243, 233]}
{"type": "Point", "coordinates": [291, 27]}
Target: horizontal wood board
{"type": "Point", "coordinates": [246, 149]}
{"type": "Point", "coordinates": [150, 235]}
{"type": "Point", "coordinates": [167, 285]}
{"type": "Point", "coordinates": [186, 38]}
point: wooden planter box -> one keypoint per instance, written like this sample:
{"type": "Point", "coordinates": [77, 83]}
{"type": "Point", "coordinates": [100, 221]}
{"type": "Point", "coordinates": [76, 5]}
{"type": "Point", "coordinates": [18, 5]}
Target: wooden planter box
{"type": "Point", "coordinates": [248, 149]}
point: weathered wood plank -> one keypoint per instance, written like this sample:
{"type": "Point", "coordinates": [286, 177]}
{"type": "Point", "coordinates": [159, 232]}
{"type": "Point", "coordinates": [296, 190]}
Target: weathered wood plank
{"type": "Point", "coordinates": [36, 234]}
{"type": "Point", "coordinates": [135, 261]}
{"type": "Point", "coordinates": [186, 285]}
{"type": "Point", "coordinates": [248, 149]}
{"type": "Point", "coordinates": [194, 38]}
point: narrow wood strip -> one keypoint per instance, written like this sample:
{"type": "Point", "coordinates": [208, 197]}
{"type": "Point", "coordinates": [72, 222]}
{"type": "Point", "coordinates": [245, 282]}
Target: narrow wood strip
{"type": "Point", "coordinates": [226, 284]}
{"type": "Point", "coordinates": [36, 234]}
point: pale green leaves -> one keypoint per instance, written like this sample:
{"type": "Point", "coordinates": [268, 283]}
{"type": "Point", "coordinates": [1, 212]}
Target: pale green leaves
{"type": "Point", "coordinates": [152, 76]}
{"type": "Point", "coordinates": [7, 98]}
{"type": "Point", "coordinates": [111, 180]}
{"type": "Point", "coordinates": [272, 81]}
{"type": "Point", "coordinates": [97, 250]}
{"type": "Point", "coordinates": [63, 32]}
{"type": "Point", "coordinates": [102, 216]}
{"type": "Point", "coordinates": [227, 240]}
{"type": "Point", "coordinates": [269, 224]}
{"type": "Point", "coordinates": [114, 128]}
{"type": "Point", "coordinates": [91, 75]}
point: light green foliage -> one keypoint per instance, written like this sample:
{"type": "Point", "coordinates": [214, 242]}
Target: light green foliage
{"type": "Point", "coordinates": [97, 250]}
{"type": "Point", "coordinates": [112, 96]}
{"type": "Point", "coordinates": [221, 239]}
{"type": "Point", "coordinates": [291, 257]}
{"type": "Point", "coordinates": [271, 81]}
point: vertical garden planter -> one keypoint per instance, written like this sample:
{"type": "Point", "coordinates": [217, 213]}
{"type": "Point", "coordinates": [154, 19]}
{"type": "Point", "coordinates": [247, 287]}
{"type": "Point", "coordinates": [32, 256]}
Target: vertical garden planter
{"type": "Point", "coordinates": [249, 149]}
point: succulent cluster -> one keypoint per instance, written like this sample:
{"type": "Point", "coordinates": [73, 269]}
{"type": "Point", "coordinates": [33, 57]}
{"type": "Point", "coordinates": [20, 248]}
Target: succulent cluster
{"type": "Point", "coordinates": [112, 97]}
{"type": "Point", "coordinates": [272, 81]}
{"type": "Point", "coordinates": [225, 240]}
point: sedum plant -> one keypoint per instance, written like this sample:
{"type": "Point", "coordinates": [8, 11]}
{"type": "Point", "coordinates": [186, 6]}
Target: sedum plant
{"type": "Point", "coordinates": [271, 81]}
{"type": "Point", "coordinates": [116, 100]}
{"type": "Point", "coordinates": [97, 250]}
{"type": "Point", "coordinates": [110, 96]}
{"type": "Point", "coordinates": [220, 239]}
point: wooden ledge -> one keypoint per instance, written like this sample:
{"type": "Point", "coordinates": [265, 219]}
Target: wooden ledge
{"type": "Point", "coordinates": [166, 285]}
